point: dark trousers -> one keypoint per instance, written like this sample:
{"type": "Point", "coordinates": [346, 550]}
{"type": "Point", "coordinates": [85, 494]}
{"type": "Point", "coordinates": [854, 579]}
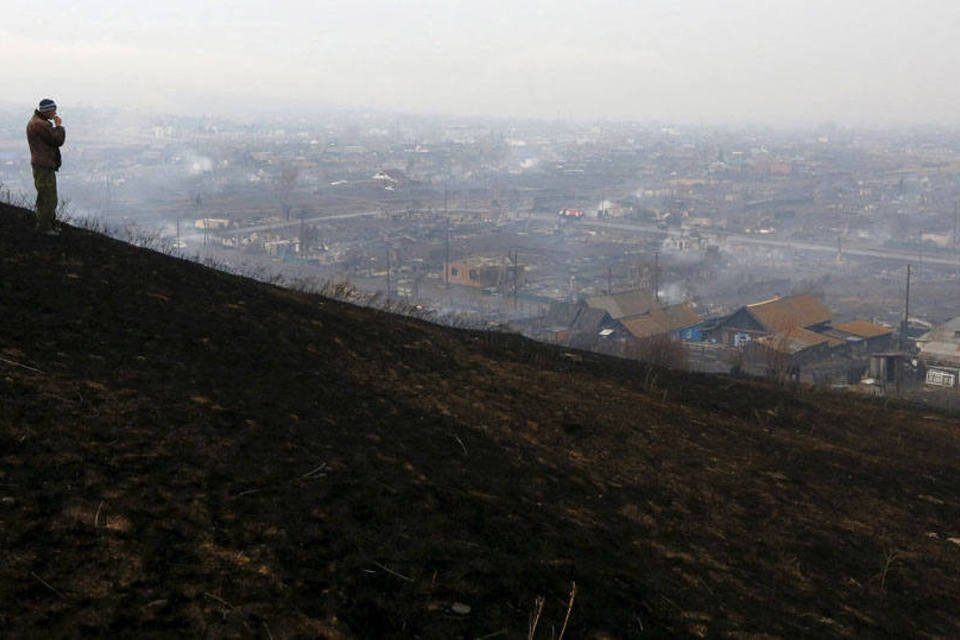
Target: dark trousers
{"type": "Point", "coordinates": [45, 179]}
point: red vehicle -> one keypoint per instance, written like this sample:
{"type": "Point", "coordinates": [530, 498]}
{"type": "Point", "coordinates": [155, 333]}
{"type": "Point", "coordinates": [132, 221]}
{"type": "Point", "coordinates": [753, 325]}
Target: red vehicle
{"type": "Point", "coordinates": [571, 213]}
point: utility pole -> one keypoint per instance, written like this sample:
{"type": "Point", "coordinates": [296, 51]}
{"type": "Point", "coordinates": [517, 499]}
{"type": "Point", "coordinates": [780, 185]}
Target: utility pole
{"type": "Point", "coordinates": [906, 312]}
{"type": "Point", "coordinates": [609, 281]}
{"type": "Point", "coordinates": [388, 273]}
{"type": "Point", "coordinates": [901, 357]}
{"type": "Point", "coordinates": [516, 277]}
{"type": "Point", "coordinates": [956, 221]}
{"type": "Point", "coordinates": [446, 260]}
{"type": "Point", "coordinates": [656, 277]}
{"type": "Point", "coordinates": [302, 229]}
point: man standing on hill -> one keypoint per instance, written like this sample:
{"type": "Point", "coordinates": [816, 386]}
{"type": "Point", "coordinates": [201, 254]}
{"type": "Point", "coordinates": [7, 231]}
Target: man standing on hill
{"type": "Point", "coordinates": [45, 139]}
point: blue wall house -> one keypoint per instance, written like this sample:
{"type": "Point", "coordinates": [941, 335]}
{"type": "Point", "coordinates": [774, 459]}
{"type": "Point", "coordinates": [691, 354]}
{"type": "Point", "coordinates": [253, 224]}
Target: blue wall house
{"type": "Point", "coordinates": [678, 321]}
{"type": "Point", "coordinates": [770, 317]}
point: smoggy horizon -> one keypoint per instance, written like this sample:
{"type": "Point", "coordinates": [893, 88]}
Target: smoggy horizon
{"type": "Point", "coordinates": [690, 62]}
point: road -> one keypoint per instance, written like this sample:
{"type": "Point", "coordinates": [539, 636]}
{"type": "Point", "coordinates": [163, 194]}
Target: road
{"type": "Point", "coordinates": [867, 252]}
{"type": "Point", "coordinates": [296, 223]}
{"type": "Point", "coordinates": [337, 216]}
{"type": "Point", "coordinates": [741, 238]}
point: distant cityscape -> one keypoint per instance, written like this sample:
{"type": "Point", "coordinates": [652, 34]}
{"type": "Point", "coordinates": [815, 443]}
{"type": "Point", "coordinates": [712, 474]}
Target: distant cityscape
{"type": "Point", "coordinates": [524, 222]}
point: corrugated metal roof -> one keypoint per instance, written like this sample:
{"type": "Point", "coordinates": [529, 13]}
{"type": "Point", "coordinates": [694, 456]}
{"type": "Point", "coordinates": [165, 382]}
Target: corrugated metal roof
{"type": "Point", "coordinates": [863, 329]}
{"type": "Point", "coordinates": [568, 315]}
{"type": "Point", "coordinates": [796, 339]}
{"type": "Point", "coordinates": [561, 315]}
{"type": "Point", "coordinates": [662, 320]}
{"type": "Point", "coordinates": [803, 310]}
{"type": "Point", "coordinates": [589, 320]}
{"type": "Point", "coordinates": [946, 332]}
{"type": "Point", "coordinates": [625, 304]}
{"type": "Point", "coordinates": [941, 351]}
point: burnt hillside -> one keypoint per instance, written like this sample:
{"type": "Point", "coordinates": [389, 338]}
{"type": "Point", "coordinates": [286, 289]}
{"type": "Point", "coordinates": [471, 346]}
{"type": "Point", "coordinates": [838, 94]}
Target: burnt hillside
{"type": "Point", "coordinates": [185, 453]}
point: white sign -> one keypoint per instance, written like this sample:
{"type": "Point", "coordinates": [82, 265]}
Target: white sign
{"type": "Point", "coordinates": [939, 378]}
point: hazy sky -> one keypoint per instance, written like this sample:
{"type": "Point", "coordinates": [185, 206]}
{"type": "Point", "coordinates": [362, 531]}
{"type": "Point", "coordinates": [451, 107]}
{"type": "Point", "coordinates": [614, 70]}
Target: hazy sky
{"type": "Point", "coordinates": [775, 61]}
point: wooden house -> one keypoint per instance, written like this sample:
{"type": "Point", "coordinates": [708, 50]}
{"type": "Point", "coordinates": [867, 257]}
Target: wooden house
{"type": "Point", "coordinates": [772, 317]}
{"type": "Point", "coordinates": [679, 321]}
{"type": "Point", "coordinates": [861, 337]}
{"type": "Point", "coordinates": [582, 327]}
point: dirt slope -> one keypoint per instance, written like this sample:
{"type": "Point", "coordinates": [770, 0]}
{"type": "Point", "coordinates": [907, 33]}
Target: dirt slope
{"type": "Point", "coordinates": [185, 453]}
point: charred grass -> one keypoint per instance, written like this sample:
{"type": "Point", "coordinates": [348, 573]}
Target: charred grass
{"type": "Point", "coordinates": [185, 452]}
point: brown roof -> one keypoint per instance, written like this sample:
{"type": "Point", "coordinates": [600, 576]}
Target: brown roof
{"type": "Point", "coordinates": [662, 320]}
{"type": "Point", "coordinates": [863, 329]}
{"type": "Point", "coordinates": [796, 339]}
{"type": "Point", "coordinates": [778, 314]}
{"type": "Point", "coordinates": [624, 304]}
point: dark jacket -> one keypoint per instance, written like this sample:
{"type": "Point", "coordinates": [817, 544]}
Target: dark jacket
{"type": "Point", "coordinates": [45, 141]}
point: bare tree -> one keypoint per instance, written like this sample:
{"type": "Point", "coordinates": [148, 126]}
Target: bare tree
{"type": "Point", "coordinates": [663, 350]}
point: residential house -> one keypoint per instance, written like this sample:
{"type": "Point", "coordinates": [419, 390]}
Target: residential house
{"type": "Point", "coordinates": [641, 318]}
{"type": "Point", "coordinates": [578, 325]}
{"type": "Point", "coordinates": [940, 354]}
{"type": "Point", "coordinates": [484, 272]}
{"type": "Point", "coordinates": [861, 337]}
{"type": "Point", "coordinates": [784, 353]}
{"type": "Point", "coordinates": [771, 317]}
{"type": "Point", "coordinates": [625, 304]}
{"type": "Point", "coordinates": [678, 321]}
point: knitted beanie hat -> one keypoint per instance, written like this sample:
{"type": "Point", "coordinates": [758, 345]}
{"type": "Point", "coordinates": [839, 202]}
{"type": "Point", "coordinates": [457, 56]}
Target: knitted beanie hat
{"type": "Point", "coordinates": [47, 105]}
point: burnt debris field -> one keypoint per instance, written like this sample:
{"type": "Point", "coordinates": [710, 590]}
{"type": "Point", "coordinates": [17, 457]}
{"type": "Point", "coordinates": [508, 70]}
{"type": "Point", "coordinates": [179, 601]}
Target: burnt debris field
{"type": "Point", "coordinates": [189, 453]}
